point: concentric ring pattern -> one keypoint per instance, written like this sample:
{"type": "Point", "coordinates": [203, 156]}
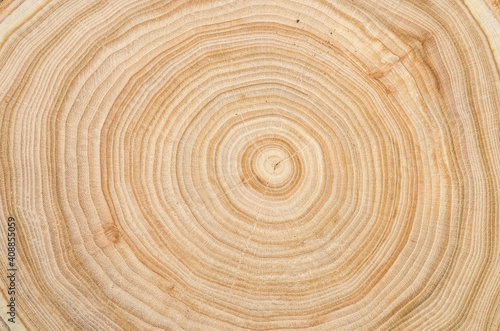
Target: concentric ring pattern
{"type": "Point", "coordinates": [223, 165]}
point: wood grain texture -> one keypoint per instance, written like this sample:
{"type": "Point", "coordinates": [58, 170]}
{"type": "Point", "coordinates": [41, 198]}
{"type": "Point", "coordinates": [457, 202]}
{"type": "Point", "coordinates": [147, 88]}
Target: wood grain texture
{"type": "Point", "coordinates": [251, 165]}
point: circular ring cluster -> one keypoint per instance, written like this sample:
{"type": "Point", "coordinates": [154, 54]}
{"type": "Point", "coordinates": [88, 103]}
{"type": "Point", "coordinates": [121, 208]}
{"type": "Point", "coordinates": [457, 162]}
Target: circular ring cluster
{"type": "Point", "coordinates": [272, 168]}
{"type": "Point", "coordinates": [248, 165]}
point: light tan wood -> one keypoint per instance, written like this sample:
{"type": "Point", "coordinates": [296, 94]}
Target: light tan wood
{"type": "Point", "coordinates": [251, 165]}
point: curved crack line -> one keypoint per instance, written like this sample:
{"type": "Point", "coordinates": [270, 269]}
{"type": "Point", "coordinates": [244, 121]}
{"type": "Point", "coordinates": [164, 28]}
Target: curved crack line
{"type": "Point", "coordinates": [293, 155]}
{"type": "Point", "coordinates": [251, 232]}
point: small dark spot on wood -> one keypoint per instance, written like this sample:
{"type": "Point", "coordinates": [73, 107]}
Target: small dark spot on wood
{"type": "Point", "coordinates": [377, 74]}
{"type": "Point", "coordinates": [390, 90]}
{"type": "Point", "coordinates": [298, 21]}
{"type": "Point", "coordinates": [112, 233]}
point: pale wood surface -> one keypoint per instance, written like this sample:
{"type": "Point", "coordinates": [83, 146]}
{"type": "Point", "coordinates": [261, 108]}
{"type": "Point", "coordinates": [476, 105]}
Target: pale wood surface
{"type": "Point", "coordinates": [256, 165]}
